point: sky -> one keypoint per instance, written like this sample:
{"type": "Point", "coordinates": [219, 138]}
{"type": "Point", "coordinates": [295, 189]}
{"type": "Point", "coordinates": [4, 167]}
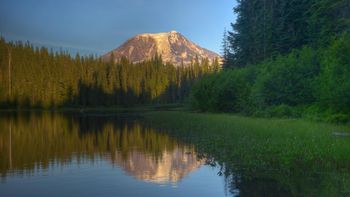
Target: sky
{"type": "Point", "coordinates": [98, 26]}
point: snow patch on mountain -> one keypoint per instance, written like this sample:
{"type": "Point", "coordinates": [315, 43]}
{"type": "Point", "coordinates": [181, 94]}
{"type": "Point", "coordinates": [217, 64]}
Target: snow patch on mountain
{"type": "Point", "coordinates": [173, 47]}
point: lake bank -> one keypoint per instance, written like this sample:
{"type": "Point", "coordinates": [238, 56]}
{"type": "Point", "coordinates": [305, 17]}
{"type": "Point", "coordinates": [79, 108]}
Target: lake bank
{"type": "Point", "coordinates": [261, 143]}
{"type": "Point", "coordinates": [257, 142]}
{"type": "Point", "coordinates": [278, 157]}
{"type": "Point", "coordinates": [266, 157]}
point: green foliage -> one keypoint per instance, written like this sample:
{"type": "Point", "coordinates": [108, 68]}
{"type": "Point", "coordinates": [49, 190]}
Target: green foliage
{"type": "Point", "coordinates": [287, 80]}
{"type": "Point", "coordinates": [306, 82]}
{"type": "Point", "coordinates": [338, 118]}
{"type": "Point", "coordinates": [224, 92]}
{"type": "Point", "coordinates": [301, 53]}
{"type": "Point", "coordinates": [202, 93]}
{"type": "Point", "coordinates": [284, 151]}
{"type": "Point", "coordinates": [283, 111]}
{"type": "Point", "coordinates": [265, 28]}
{"type": "Point", "coordinates": [334, 81]}
{"type": "Point", "coordinates": [36, 77]}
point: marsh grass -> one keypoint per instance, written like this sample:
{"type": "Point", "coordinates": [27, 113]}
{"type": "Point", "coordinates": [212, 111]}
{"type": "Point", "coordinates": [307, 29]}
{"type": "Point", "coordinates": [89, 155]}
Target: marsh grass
{"type": "Point", "coordinates": [256, 143]}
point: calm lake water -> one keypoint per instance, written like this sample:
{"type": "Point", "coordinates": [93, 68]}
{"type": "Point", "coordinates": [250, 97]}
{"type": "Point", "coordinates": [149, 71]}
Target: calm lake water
{"type": "Point", "coordinates": [55, 154]}
{"type": "Point", "coordinates": [50, 154]}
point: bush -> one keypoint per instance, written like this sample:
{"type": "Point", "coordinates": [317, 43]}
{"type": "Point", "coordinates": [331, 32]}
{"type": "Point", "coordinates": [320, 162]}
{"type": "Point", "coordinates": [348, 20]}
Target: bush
{"type": "Point", "coordinates": [338, 118]}
{"type": "Point", "coordinates": [333, 88]}
{"type": "Point", "coordinates": [282, 111]}
{"type": "Point", "coordinates": [287, 80]}
{"type": "Point", "coordinates": [201, 93]}
{"type": "Point", "coordinates": [228, 91]}
{"type": "Point", "coordinates": [306, 83]}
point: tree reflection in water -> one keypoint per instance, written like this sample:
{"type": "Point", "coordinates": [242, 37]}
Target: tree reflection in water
{"type": "Point", "coordinates": [32, 141]}
{"type": "Point", "coordinates": [29, 141]}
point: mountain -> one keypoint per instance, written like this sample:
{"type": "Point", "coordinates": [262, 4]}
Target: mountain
{"type": "Point", "coordinates": [172, 46]}
{"type": "Point", "coordinates": [171, 166]}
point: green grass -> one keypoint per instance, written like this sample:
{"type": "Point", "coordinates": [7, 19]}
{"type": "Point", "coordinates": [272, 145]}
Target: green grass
{"type": "Point", "coordinates": [268, 157]}
{"type": "Point", "coordinates": [256, 143]}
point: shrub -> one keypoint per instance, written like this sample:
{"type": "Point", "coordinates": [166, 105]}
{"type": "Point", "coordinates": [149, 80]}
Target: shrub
{"type": "Point", "coordinates": [287, 80]}
{"type": "Point", "coordinates": [333, 88]}
{"type": "Point", "coordinates": [311, 83]}
{"type": "Point", "coordinates": [228, 91]}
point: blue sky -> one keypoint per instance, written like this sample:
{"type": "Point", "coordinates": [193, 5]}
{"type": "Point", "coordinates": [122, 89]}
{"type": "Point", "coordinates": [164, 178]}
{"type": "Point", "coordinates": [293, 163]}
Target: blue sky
{"type": "Point", "coordinates": [98, 26]}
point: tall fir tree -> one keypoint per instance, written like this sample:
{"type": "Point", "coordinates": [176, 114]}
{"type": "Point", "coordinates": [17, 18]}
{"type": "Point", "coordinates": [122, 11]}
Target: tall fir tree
{"type": "Point", "coordinates": [265, 29]}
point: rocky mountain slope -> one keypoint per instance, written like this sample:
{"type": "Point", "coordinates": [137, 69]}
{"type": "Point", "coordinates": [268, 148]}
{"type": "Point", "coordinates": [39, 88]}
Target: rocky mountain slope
{"type": "Point", "coordinates": [173, 47]}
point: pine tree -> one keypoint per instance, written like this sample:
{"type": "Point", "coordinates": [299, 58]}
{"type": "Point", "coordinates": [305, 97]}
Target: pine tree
{"type": "Point", "coordinates": [225, 50]}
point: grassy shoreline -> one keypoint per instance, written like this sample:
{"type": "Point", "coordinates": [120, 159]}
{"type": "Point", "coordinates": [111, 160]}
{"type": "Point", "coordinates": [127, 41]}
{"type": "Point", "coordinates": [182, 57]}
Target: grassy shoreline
{"type": "Point", "coordinates": [102, 109]}
{"type": "Point", "coordinates": [258, 143]}
{"type": "Point", "coordinates": [266, 143]}
{"type": "Point", "coordinates": [276, 157]}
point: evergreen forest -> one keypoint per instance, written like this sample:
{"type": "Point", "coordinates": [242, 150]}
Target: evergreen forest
{"type": "Point", "coordinates": [283, 58]}
{"type": "Point", "coordinates": [32, 77]}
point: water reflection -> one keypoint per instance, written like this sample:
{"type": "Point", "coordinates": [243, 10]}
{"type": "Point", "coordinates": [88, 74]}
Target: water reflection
{"type": "Point", "coordinates": [171, 167]}
{"type": "Point", "coordinates": [52, 154]}
{"type": "Point", "coordinates": [37, 140]}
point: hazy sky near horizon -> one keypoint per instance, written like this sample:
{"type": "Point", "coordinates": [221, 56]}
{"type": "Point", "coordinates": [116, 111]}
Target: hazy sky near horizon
{"type": "Point", "coordinates": [98, 26]}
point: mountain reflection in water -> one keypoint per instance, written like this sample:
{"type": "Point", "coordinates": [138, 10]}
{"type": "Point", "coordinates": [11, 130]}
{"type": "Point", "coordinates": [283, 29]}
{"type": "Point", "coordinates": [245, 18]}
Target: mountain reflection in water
{"type": "Point", "coordinates": [170, 167]}
{"type": "Point", "coordinates": [37, 140]}
{"type": "Point", "coordinates": [55, 154]}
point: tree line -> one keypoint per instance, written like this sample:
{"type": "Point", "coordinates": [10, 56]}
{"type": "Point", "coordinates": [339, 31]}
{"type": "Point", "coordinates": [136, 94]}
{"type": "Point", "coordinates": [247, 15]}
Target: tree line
{"type": "Point", "coordinates": [265, 29]}
{"type": "Point", "coordinates": [37, 77]}
{"type": "Point", "coordinates": [283, 58]}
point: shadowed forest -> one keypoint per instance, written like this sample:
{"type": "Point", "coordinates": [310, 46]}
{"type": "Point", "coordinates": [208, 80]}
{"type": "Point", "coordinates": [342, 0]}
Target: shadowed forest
{"type": "Point", "coordinates": [285, 59]}
{"type": "Point", "coordinates": [37, 77]}
{"type": "Point", "coordinates": [281, 58]}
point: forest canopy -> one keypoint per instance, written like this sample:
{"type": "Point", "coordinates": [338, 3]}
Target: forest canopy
{"type": "Point", "coordinates": [37, 77]}
{"type": "Point", "coordinates": [285, 58]}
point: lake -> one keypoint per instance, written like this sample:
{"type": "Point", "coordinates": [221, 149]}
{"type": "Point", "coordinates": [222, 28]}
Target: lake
{"type": "Point", "coordinates": [62, 154]}
{"type": "Point", "coordinates": [76, 154]}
